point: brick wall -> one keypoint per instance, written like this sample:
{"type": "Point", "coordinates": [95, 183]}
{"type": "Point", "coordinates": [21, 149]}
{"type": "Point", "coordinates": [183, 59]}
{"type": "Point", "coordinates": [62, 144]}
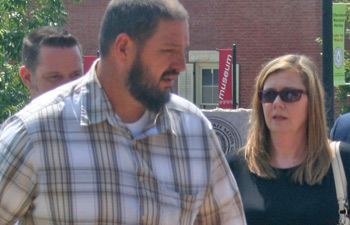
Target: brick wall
{"type": "Point", "coordinates": [84, 22]}
{"type": "Point", "coordinates": [261, 30]}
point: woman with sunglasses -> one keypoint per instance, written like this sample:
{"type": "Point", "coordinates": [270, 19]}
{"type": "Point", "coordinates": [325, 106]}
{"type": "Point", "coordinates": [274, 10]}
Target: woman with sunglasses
{"type": "Point", "coordinates": [284, 171]}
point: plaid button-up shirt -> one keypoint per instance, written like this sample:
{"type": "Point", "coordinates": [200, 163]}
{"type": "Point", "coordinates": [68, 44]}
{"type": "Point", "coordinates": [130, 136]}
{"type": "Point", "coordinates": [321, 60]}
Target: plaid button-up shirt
{"type": "Point", "coordinates": [67, 158]}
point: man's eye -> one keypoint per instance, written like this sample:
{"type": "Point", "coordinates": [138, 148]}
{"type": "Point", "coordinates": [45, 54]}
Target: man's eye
{"type": "Point", "coordinates": [54, 77]}
{"type": "Point", "coordinates": [168, 50]}
{"type": "Point", "coordinates": [77, 74]}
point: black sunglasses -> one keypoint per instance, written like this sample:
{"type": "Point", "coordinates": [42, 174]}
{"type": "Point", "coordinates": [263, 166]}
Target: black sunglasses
{"type": "Point", "coordinates": [286, 95]}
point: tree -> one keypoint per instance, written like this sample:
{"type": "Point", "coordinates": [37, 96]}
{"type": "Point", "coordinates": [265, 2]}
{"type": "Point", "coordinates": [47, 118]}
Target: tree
{"type": "Point", "coordinates": [18, 18]}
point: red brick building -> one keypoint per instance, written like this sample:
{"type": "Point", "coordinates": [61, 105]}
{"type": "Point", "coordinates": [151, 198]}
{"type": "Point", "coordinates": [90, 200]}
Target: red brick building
{"type": "Point", "coordinates": [261, 30]}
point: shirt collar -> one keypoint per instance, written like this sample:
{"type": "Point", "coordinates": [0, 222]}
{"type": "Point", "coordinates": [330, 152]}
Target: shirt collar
{"type": "Point", "coordinates": [95, 106]}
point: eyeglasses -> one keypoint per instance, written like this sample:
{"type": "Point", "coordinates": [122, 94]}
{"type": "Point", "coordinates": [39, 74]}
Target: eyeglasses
{"type": "Point", "coordinates": [286, 95]}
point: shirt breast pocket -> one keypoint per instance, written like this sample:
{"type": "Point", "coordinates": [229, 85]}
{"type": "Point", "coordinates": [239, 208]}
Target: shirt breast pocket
{"type": "Point", "coordinates": [179, 208]}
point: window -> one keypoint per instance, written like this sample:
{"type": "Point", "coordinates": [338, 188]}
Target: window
{"type": "Point", "coordinates": [207, 85]}
{"type": "Point", "coordinates": [206, 67]}
{"type": "Point", "coordinates": [210, 79]}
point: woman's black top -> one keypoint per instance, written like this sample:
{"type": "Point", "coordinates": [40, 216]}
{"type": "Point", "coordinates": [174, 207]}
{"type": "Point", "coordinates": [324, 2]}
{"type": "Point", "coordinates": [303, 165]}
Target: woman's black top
{"type": "Point", "coordinates": [283, 202]}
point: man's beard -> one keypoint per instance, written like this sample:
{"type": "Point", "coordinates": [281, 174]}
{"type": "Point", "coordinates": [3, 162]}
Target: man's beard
{"type": "Point", "coordinates": [146, 90]}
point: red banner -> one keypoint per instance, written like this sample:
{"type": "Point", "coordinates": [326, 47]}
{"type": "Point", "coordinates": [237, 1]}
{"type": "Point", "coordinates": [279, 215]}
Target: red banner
{"type": "Point", "coordinates": [225, 79]}
{"type": "Point", "coordinates": [88, 60]}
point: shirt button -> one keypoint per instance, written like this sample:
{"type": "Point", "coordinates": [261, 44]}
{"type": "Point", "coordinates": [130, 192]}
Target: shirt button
{"type": "Point", "coordinates": [141, 179]}
{"type": "Point", "coordinates": [144, 218]}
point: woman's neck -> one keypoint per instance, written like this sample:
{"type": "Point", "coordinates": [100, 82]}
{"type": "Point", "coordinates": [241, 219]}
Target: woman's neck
{"type": "Point", "coordinates": [286, 151]}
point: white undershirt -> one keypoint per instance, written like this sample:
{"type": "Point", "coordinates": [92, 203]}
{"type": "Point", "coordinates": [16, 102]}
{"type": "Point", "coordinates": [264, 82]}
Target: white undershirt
{"type": "Point", "coordinates": [137, 127]}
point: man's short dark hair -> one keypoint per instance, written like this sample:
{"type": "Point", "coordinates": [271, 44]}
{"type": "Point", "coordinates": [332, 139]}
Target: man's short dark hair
{"type": "Point", "coordinates": [137, 18]}
{"type": "Point", "coordinates": [49, 36]}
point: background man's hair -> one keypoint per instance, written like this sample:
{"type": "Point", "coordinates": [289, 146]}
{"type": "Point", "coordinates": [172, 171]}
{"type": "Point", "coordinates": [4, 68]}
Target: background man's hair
{"type": "Point", "coordinates": [49, 36]}
{"type": "Point", "coordinates": [137, 18]}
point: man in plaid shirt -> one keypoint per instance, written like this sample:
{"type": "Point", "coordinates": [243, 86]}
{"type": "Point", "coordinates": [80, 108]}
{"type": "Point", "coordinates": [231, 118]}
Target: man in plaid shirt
{"type": "Point", "coordinates": [115, 146]}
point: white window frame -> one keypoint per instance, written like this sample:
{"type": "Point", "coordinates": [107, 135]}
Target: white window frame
{"type": "Point", "coordinates": [203, 60]}
{"type": "Point", "coordinates": [185, 83]}
{"type": "Point", "coordinates": [199, 89]}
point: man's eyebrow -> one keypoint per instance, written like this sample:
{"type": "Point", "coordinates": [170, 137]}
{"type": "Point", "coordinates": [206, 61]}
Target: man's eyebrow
{"type": "Point", "coordinates": [173, 44]}
{"type": "Point", "coordinates": [52, 73]}
{"type": "Point", "coordinates": [78, 71]}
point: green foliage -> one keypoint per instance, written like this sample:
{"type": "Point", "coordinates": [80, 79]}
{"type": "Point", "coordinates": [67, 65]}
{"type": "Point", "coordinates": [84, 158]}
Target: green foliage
{"type": "Point", "coordinates": [18, 18]}
{"type": "Point", "coordinates": [13, 94]}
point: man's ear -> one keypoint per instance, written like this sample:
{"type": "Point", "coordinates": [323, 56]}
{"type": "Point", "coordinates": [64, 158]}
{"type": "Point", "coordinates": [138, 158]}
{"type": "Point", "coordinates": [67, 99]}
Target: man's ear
{"type": "Point", "coordinates": [124, 47]}
{"type": "Point", "coordinates": [26, 76]}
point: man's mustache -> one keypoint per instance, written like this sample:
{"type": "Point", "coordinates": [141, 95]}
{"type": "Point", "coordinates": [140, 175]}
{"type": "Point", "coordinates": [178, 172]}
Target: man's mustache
{"type": "Point", "coordinates": [170, 72]}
